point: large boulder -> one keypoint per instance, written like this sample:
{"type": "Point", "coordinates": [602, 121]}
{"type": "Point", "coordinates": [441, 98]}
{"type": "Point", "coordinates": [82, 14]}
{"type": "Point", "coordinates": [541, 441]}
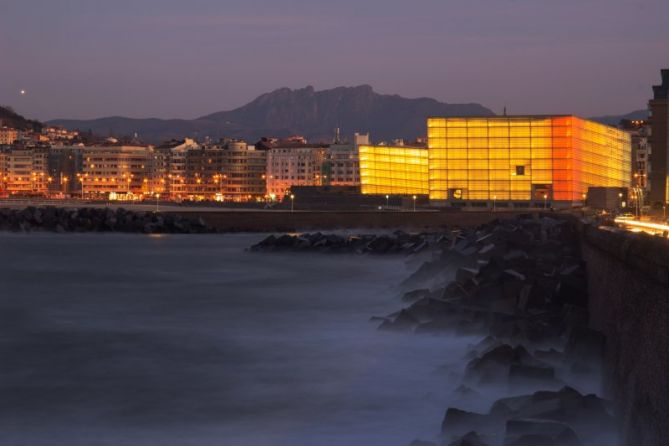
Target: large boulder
{"type": "Point", "coordinates": [531, 432]}
{"type": "Point", "coordinates": [469, 439]}
{"type": "Point", "coordinates": [586, 412]}
{"type": "Point", "coordinates": [460, 422]}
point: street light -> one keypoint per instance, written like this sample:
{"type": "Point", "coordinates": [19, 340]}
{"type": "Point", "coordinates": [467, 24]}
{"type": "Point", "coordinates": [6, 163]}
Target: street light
{"type": "Point", "coordinates": [414, 203]}
{"type": "Point", "coordinates": [157, 197]}
{"type": "Point", "coordinates": [545, 201]}
{"type": "Point", "coordinates": [292, 202]}
{"type": "Point", "coordinates": [387, 200]}
{"type": "Point", "coordinates": [494, 202]}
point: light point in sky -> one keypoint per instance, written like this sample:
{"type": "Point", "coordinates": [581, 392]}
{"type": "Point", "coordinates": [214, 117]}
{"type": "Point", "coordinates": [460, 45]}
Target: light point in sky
{"type": "Point", "coordinates": [22, 92]}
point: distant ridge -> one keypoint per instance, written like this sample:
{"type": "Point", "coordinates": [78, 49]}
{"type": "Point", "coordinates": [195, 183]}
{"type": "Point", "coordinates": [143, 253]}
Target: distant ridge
{"type": "Point", "coordinates": [314, 114]}
{"type": "Point", "coordinates": [613, 120]}
{"type": "Point", "coordinates": [9, 118]}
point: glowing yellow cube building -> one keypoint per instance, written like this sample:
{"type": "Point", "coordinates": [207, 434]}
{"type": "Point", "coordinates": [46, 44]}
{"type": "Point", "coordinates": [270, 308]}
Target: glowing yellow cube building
{"type": "Point", "coordinates": [524, 159]}
{"type": "Point", "coordinates": [386, 170]}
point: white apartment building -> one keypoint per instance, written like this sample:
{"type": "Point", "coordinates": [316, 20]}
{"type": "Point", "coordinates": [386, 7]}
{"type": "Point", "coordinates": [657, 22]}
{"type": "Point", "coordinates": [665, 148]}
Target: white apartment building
{"type": "Point", "coordinates": [293, 165]}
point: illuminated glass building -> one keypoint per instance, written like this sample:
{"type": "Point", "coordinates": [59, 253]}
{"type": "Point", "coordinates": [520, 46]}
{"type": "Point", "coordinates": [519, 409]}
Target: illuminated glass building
{"type": "Point", "coordinates": [542, 159]}
{"type": "Point", "coordinates": [386, 170]}
{"type": "Point", "coordinates": [545, 160]}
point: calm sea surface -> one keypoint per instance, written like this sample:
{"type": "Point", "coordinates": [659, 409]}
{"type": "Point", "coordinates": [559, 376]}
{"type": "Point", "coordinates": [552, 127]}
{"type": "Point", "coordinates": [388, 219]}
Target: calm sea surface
{"type": "Point", "coordinates": [189, 340]}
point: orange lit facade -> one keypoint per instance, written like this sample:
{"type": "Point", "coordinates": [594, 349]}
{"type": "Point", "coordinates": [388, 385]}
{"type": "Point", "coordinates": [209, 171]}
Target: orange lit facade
{"type": "Point", "coordinates": [24, 172]}
{"type": "Point", "coordinates": [536, 159]}
{"type": "Point", "coordinates": [121, 171]}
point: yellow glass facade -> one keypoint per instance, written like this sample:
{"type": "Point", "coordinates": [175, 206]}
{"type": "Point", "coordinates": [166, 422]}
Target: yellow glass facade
{"type": "Point", "coordinates": [386, 170]}
{"type": "Point", "coordinates": [524, 158]}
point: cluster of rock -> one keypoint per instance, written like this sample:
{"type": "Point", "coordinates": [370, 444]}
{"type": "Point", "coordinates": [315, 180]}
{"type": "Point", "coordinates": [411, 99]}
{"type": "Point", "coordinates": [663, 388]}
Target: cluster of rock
{"type": "Point", "coordinates": [521, 279]}
{"type": "Point", "coordinates": [96, 220]}
{"type": "Point", "coordinates": [538, 419]}
{"type": "Point", "coordinates": [521, 284]}
{"type": "Point", "coordinates": [396, 243]}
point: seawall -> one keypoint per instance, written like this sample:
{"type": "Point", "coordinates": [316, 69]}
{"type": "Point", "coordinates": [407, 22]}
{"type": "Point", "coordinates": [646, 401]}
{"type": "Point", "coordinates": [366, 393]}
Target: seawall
{"type": "Point", "coordinates": [628, 281]}
{"type": "Point", "coordinates": [286, 221]}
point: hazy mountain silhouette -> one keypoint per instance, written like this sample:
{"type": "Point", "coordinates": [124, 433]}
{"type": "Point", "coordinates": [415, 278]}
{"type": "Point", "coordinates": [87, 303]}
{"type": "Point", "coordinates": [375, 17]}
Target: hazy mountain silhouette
{"type": "Point", "coordinates": [613, 120]}
{"type": "Point", "coordinates": [9, 118]}
{"type": "Point", "coordinates": [314, 114]}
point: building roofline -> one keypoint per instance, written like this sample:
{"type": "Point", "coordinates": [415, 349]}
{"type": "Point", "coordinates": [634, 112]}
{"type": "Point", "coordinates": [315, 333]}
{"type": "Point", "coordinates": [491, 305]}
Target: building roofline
{"type": "Point", "coordinates": [507, 116]}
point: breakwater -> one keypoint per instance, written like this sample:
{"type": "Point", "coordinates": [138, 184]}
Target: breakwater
{"type": "Point", "coordinates": [54, 219]}
{"type": "Point", "coordinates": [628, 292]}
{"type": "Point", "coordinates": [558, 303]}
{"type": "Point", "coordinates": [520, 285]}
{"type": "Point", "coordinates": [286, 221]}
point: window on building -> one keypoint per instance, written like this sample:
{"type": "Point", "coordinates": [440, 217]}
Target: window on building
{"type": "Point", "coordinates": [520, 170]}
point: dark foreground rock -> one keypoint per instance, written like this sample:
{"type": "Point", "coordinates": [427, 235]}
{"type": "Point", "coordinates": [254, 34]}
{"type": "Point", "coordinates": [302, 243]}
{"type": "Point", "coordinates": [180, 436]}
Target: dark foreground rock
{"type": "Point", "coordinates": [398, 242]}
{"type": "Point", "coordinates": [521, 285]}
{"type": "Point", "coordinates": [55, 219]}
{"type": "Point", "coordinates": [519, 279]}
{"type": "Point", "coordinates": [470, 439]}
{"type": "Point", "coordinates": [553, 417]}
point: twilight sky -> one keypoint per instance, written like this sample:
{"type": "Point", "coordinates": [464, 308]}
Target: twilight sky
{"type": "Point", "coordinates": [176, 58]}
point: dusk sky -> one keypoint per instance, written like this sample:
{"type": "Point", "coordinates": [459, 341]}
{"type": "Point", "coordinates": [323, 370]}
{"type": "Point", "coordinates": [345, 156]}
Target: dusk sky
{"type": "Point", "coordinates": [184, 59]}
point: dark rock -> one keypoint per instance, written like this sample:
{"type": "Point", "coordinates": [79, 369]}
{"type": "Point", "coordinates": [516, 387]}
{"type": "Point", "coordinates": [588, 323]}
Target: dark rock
{"type": "Point", "coordinates": [469, 439]}
{"type": "Point", "coordinates": [412, 296]}
{"type": "Point", "coordinates": [526, 431]}
{"type": "Point", "coordinates": [460, 422]}
{"type": "Point", "coordinates": [403, 322]}
{"type": "Point", "coordinates": [520, 374]}
{"type": "Point", "coordinates": [584, 343]}
{"type": "Point", "coordinates": [566, 405]}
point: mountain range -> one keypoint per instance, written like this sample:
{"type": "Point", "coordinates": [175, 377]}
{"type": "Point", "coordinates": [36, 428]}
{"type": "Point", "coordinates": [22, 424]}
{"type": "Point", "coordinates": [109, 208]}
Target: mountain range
{"type": "Point", "coordinates": [613, 120]}
{"type": "Point", "coordinates": [284, 112]}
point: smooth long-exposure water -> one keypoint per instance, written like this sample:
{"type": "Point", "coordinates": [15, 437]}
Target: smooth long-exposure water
{"type": "Point", "coordinates": [189, 340]}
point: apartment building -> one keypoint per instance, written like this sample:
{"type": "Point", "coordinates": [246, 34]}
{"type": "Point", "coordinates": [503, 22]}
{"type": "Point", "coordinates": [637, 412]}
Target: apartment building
{"type": "Point", "coordinates": [24, 171]}
{"type": "Point", "coordinates": [294, 164]}
{"type": "Point", "coordinates": [116, 171]}
{"type": "Point", "coordinates": [244, 172]}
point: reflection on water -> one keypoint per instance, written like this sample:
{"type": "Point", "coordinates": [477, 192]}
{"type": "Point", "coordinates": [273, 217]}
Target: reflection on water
{"type": "Point", "coordinates": [188, 340]}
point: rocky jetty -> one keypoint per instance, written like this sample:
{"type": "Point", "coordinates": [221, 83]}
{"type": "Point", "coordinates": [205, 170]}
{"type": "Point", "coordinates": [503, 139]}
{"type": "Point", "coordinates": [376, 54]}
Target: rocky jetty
{"type": "Point", "coordinates": [520, 285]}
{"type": "Point", "coordinates": [522, 280]}
{"type": "Point", "coordinates": [398, 242]}
{"type": "Point", "coordinates": [55, 219]}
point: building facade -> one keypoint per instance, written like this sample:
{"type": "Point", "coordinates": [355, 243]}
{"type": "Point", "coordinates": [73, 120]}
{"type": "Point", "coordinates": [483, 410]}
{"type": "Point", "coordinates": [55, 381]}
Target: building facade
{"type": "Point", "coordinates": [116, 172]}
{"type": "Point", "coordinates": [639, 131]}
{"type": "Point", "coordinates": [388, 170]}
{"type": "Point", "coordinates": [8, 136]}
{"type": "Point", "coordinates": [244, 172]}
{"type": "Point", "coordinates": [64, 163]}
{"type": "Point", "coordinates": [659, 142]}
{"type": "Point", "coordinates": [25, 171]}
{"type": "Point", "coordinates": [541, 159]}
{"type": "Point", "coordinates": [523, 160]}
{"type": "Point", "coordinates": [341, 165]}
{"type": "Point", "coordinates": [293, 165]}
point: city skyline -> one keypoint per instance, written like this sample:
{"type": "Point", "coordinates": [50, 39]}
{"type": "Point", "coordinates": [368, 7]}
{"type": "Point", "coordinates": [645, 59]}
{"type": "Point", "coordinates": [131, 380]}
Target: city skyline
{"type": "Point", "coordinates": [169, 60]}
